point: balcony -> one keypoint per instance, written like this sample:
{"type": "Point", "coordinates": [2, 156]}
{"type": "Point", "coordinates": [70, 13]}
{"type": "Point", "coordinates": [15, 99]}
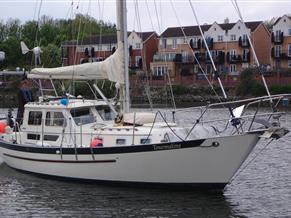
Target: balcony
{"type": "Point", "coordinates": [174, 57]}
{"type": "Point", "coordinates": [199, 56]}
{"type": "Point", "coordinates": [281, 54]}
{"type": "Point", "coordinates": [218, 58]}
{"type": "Point", "coordinates": [243, 42]}
{"type": "Point", "coordinates": [195, 44]}
{"type": "Point", "coordinates": [209, 42]}
{"type": "Point", "coordinates": [277, 38]}
{"type": "Point", "coordinates": [239, 58]}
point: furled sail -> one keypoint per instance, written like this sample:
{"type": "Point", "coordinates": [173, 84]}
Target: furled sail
{"type": "Point", "coordinates": [112, 69]}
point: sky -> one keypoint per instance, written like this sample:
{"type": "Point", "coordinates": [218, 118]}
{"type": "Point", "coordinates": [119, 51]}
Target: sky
{"type": "Point", "coordinates": [147, 15]}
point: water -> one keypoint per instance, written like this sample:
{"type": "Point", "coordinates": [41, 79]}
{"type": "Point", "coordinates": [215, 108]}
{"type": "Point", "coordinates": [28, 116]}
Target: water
{"type": "Point", "coordinates": [262, 189]}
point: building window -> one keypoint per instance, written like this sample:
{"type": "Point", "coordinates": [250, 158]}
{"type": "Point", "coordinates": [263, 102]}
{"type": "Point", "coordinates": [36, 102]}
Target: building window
{"type": "Point", "coordinates": [159, 71]}
{"type": "Point", "coordinates": [138, 62]}
{"type": "Point", "coordinates": [195, 42]}
{"type": "Point", "coordinates": [278, 36]}
{"type": "Point", "coordinates": [164, 43]}
{"type": "Point", "coordinates": [108, 47]}
{"type": "Point", "coordinates": [289, 50]}
{"type": "Point", "coordinates": [245, 54]}
{"type": "Point", "coordinates": [289, 64]}
{"type": "Point", "coordinates": [220, 38]}
{"type": "Point", "coordinates": [196, 68]}
{"type": "Point", "coordinates": [232, 37]}
{"type": "Point", "coordinates": [232, 52]}
{"type": "Point", "coordinates": [289, 31]}
{"type": "Point", "coordinates": [137, 45]}
{"type": "Point", "coordinates": [208, 69]}
{"type": "Point", "coordinates": [232, 68]}
{"type": "Point", "coordinates": [174, 45]}
{"type": "Point", "coordinates": [278, 50]}
{"type": "Point", "coordinates": [34, 118]}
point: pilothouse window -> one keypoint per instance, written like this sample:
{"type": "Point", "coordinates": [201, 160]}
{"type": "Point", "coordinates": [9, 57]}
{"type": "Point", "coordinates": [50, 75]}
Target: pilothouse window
{"type": "Point", "coordinates": [82, 116]}
{"type": "Point", "coordinates": [34, 118]}
{"type": "Point", "coordinates": [105, 112]}
{"type": "Point", "coordinates": [54, 119]}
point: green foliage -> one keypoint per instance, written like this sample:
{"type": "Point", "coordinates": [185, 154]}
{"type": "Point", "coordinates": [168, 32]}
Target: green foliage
{"type": "Point", "coordinates": [51, 56]}
{"type": "Point", "coordinates": [180, 89]}
{"type": "Point", "coordinates": [48, 33]}
{"type": "Point", "coordinates": [247, 82]}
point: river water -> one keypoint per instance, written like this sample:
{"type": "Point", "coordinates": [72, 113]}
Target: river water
{"type": "Point", "coordinates": [261, 189]}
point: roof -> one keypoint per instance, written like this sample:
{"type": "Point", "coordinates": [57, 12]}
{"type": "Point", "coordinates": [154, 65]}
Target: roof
{"type": "Point", "coordinates": [194, 30]}
{"type": "Point", "coordinates": [105, 39]}
{"type": "Point", "coordinates": [189, 31]}
{"type": "Point", "coordinates": [279, 18]}
{"type": "Point", "coordinates": [145, 35]}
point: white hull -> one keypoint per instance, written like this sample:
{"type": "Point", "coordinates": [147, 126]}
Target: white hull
{"type": "Point", "coordinates": [199, 163]}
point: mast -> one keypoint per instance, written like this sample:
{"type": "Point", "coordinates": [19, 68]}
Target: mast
{"type": "Point", "coordinates": [122, 37]}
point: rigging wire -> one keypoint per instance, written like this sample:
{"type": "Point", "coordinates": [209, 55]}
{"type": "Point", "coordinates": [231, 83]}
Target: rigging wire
{"type": "Point", "coordinates": [207, 48]}
{"type": "Point", "coordinates": [148, 10]}
{"type": "Point", "coordinates": [235, 5]}
{"type": "Point", "coordinates": [166, 62]}
{"type": "Point", "coordinates": [197, 61]}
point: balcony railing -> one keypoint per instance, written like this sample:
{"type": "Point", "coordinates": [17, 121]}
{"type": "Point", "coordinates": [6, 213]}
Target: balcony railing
{"type": "Point", "coordinates": [218, 58]}
{"type": "Point", "coordinates": [239, 58]}
{"type": "Point", "coordinates": [281, 54]}
{"type": "Point", "coordinates": [278, 38]}
{"type": "Point", "coordinates": [243, 42]}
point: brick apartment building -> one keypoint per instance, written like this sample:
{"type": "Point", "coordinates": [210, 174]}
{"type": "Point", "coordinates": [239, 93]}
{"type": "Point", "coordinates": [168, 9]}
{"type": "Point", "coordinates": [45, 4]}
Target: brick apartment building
{"type": "Point", "coordinates": [281, 45]}
{"type": "Point", "coordinates": [228, 44]}
{"type": "Point", "coordinates": [142, 47]}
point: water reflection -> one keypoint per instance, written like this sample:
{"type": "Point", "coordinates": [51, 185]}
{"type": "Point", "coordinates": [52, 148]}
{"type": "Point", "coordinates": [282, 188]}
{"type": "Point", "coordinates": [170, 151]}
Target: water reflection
{"type": "Point", "coordinates": [27, 195]}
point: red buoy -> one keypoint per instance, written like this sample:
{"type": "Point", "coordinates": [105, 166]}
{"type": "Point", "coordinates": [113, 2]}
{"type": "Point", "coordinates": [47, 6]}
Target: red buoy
{"type": "Point", "coordinates": [96, 142]}
{"type": "Point", "coordinates": [3, 125]}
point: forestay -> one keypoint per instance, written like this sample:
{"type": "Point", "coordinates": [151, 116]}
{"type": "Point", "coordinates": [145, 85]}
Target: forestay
{"type": "Point", "coordinates": [112, 69]}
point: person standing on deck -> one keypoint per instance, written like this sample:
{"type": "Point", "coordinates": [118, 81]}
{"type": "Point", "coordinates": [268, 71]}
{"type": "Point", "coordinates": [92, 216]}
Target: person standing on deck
{"type": "Point", "coordinates": [24, 96]}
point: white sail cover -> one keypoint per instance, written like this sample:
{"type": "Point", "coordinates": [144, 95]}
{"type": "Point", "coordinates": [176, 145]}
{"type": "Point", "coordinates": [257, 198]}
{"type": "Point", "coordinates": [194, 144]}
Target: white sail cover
{"type": "Point", "coordinates": [112, 69]}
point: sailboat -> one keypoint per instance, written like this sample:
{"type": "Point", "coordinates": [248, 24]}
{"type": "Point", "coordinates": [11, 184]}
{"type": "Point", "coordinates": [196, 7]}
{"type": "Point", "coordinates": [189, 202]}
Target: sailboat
{"type": "Point", "coordinates": [75, 138]}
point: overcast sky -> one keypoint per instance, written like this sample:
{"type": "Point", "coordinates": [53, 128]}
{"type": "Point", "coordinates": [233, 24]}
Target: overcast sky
{"type": "Point", "coordinates": [154, 15]}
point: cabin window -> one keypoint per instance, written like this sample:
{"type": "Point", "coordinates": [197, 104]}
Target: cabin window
{"type": "Point", "coordinates": [145, 141]}
{"type": "Point", "coordinates": [82, 116]}
{"type": "Point", "coordinates": [33, 136]}
{"type": "Point", "coordinates": [120, 141]}
{"type": "Point", "coordinates": [50, 137]}
{"type": "Point", "coordinates": [34, 118]}
{"type": "Point", "coordinates": [54, 119]}
{"type": "Point", "coordinates": [105, 112]}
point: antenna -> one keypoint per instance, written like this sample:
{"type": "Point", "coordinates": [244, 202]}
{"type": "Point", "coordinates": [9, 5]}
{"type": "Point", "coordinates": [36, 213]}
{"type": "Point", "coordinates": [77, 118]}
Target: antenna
{"type": "Point", "coordinates": [36, 51]}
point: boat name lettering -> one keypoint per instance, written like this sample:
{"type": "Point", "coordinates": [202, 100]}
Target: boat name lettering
{"type": "Point", "coordinates": [167, 147]}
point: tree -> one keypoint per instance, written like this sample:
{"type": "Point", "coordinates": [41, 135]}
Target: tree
{"type": "Point", "coordinates": [51, 56]}
{"type": "Point", "coordinates": [247, 82]}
